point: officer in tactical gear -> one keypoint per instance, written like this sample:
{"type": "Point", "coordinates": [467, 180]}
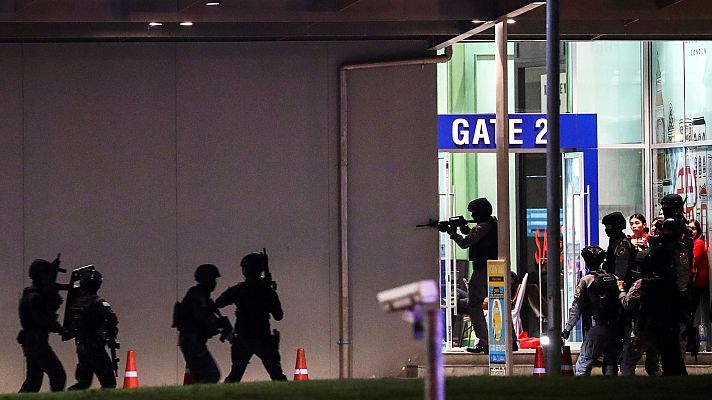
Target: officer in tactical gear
{"type": "Point", "coordinates": [254, 302]}
{"type": "Point", "coordinates": [197, 320]}
{"type": "Point", "coordinates": [93, 325]}
{"type": "Point", "coordinates": [482, 244]}
{"type": "Point", "coordinates": [673, 207]}
{"type": "Point", "coordinates": [596, 304]}
{"type": "Point", "coordinates": [659, 298]}
{"type": "Point", "coordinates": [620, 253]}
{"type": "Point", "coordinates": [38, 317]}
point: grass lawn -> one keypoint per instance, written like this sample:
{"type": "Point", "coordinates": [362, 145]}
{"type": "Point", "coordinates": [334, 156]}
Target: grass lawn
{"type": "Point", "coordinates": [476, 388]}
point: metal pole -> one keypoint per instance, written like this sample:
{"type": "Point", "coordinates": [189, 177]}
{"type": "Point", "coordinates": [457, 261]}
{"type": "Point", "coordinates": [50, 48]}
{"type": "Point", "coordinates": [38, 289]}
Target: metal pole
{"type": "Point", "coordinates": [553, 189]}
{"type": "Point", "coordinates": [435, 378]}
{"type": "Point", "coordinates": [502, 153]}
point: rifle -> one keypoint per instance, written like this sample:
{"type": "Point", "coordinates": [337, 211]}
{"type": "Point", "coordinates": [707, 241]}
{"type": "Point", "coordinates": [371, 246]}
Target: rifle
{"type": "Point", "coordinates": [265, 268]}
{"type": "Point", "coordinates": [444, 226]}
{"type": "Point", "coordinates": [114, 345]}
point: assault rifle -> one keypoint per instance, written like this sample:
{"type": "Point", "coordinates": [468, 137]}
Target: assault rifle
{"type": "Point", "coordinates": [114, 345]}
{"type": "Point", "coordinates": [265, 268]}
{"type": "Point", "coordinates": [451, 224]}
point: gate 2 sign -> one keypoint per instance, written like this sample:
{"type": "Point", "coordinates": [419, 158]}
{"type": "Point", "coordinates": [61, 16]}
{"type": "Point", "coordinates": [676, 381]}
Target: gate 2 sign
{"type": "Point", "coordinates": [526, 131]}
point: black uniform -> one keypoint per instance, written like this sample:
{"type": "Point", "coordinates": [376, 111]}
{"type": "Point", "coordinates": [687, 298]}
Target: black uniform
{"type": "Point", "coordinates": [481, 242]}
{"type": "Point", "coordinates": [94, 323]}
{"type": "Point", "coordinates": [254, 302]}
{"type": "Point", "coordinates": [596, 301]}
{"type": "Point", "coordinates": [199, 322]}
{"type": "Point", "coordinates": [660, 295]}
{"type": "Point", "coordinates": [38, 317]}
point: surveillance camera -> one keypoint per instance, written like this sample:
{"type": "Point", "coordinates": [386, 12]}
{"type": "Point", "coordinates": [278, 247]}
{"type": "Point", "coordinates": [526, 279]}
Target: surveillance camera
{"type": "Point", "coordinates": [406, 296]}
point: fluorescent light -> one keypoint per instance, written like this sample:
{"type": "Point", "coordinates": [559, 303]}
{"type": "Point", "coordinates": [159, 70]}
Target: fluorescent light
{"type": "Point", "coordinates": [186, 23]}
{"type": "Point", "coordinates": [478, 21]}
{"type": "Point", "coordinates": [154, 24]}
{"type": "Point", "coordinates": [511, 21]}
{"type": "Point", "coordinates": [212, 3]}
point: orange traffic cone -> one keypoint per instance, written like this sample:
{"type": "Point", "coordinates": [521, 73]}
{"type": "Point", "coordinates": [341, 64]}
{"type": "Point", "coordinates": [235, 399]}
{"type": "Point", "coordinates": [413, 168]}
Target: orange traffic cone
{"type": "Point", "coordinates": [130, 376]}
{"type": "Point", "coordinates": [188, 377]}
{"type": "Point", "coordinates": [539, 369]}
{"type": "Point", "coordinates": [300, 370]}
{"type": "Point", "coordinates": [567, 368]}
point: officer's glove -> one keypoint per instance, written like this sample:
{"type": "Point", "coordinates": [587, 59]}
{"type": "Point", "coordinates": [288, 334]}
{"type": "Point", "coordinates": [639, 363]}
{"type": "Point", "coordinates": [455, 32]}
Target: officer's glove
{"type": "Point", "coordinates": [465, 230]}
{"type": "Point", "coordinates": [565, 334]}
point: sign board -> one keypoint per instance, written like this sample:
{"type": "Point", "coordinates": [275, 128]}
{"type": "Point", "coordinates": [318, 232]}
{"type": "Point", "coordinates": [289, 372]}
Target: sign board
{"type": "Point", "coordinates": [526, 131]}
{"type": "Point", "coordinates": [497, 294]}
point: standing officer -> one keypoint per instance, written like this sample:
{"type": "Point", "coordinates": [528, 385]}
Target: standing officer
{"type": "Point", "coordinates": [482, 244]}
{"type": "Point", "coordinates": [197, 320]}
{"type": "Point", "coordinates": [38, 317]}
{"type": "Point", "coordinates": [94, 324]}
{"type": "Point", "coordinates": [254, 302]}
{"type": "Point", "coordinates": [660, 302]}
{"type": "Point", "coordinates": [619, 255]}
{"type": "Point", "coordinates": [596, 302]}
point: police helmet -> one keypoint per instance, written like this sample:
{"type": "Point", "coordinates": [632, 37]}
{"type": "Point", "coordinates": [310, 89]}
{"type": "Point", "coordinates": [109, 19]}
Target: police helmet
{"type": "Point", "coordinates": [39, 267]}
{"type": "Point", "coordinates": [614, 221]}
{"type": "Point", "coordinates": [480, 208]}
{"type": "Point", "coordinates": [91, 280]}
{"type": "Point", "coordinates": [252, 265]}
{"type": "Point", "coordinates": [206, 273]}
{"type": "Point", "coordinates": [593, 256]}
{"type": "Point", "coordinates": [672, 205]}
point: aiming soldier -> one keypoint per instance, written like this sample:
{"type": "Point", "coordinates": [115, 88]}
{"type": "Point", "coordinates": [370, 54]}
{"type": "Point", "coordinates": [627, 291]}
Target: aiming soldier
{"type": "Point", "coordinates": [255, 300]}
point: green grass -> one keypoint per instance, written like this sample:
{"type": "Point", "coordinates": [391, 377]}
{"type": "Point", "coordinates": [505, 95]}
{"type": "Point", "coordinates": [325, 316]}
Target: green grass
{"type": "Point", "coordinates": [478, 388]}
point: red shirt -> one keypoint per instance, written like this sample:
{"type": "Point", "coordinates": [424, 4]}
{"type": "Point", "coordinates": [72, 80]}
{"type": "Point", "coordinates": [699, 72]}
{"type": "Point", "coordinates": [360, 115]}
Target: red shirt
{"type": "Point", "coordinates": [700, 264]}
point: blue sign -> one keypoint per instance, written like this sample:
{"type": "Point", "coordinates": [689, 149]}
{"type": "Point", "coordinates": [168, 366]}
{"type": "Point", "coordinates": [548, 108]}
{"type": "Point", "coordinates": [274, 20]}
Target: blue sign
{"type": "Point", "coordinates": [526, 131]}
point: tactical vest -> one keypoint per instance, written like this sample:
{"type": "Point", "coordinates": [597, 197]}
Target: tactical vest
{"type": "Point", "coordinates": [603, 299]}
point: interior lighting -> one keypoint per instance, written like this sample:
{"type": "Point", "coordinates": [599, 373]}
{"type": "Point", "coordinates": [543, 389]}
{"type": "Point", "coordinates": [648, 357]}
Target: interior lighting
{"type": "Point", "coordinates": [212, 3]}
{"type": "Point", "coordinates": [154, 24]}
{"type": "Point", "coordinates": [478, 21]}
{"type": "Point", "coordinates": [511, 21]}
{"type": "Point", "coordinates": [186, 23]}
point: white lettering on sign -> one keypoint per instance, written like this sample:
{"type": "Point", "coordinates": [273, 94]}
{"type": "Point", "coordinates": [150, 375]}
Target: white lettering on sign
{"type": "Point", "coordinates": [541, 124]}
{"type": "Point", "coordinates": [515, 130]}
{"type": "Point", "coordinates": [463, 136]}
{"type": "Point", "coordinates": [460, 136]}
{"type": "Point", "coordinates": [481, 132]}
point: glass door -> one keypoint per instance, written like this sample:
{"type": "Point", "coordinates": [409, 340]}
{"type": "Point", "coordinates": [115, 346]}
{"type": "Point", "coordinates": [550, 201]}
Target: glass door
{"type": "Point", "coordinates": [576, 231]}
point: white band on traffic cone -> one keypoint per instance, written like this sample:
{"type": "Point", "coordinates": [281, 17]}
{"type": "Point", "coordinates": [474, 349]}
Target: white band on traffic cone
{"type": "Point", "coordinates": [539, 370]}
{"type": "Point", "coordinates": [131, 374]}
{"type": "Point", "coordinates": [302, 371]}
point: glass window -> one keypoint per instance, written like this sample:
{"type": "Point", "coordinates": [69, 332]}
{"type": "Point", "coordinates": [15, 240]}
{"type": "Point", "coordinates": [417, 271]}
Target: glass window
{"type": "Point", "coordinates": [622, 173]}
{"type": "Point", "coordinates": [667, 83]}
{"type": "Point", "coordinates": [607, 80]}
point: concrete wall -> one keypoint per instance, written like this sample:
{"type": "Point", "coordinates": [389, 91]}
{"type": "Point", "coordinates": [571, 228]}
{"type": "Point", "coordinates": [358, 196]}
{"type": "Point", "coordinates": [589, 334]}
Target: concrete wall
{"type": "Point", "coordinates": [148, 159]}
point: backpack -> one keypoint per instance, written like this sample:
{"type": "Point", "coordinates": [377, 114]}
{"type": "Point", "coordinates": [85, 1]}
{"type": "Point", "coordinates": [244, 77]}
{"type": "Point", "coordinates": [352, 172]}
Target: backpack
{"type": "Point", "coordinates": [603, 298]}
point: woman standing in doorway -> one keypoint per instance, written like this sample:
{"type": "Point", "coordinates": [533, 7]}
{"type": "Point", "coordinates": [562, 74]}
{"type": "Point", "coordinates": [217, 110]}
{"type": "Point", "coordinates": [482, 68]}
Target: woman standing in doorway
{"type": "Point", "coordinates": [700, 270]}
{"type": "Point", "coordinates": [638, 225]}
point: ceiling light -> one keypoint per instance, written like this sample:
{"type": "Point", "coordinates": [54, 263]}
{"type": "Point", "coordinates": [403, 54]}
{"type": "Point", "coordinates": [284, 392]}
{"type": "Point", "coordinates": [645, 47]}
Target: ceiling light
{"type": "Point", "coordinates": [511, 21]}
{"type": "Point", "coordinates": [212, 3]}
{"type": "Point", "coordinates": [154, 24]}
{"type": "Point", "coordinates": [186, 23]}
{"type": "Point", "coordinates": [478, 21]}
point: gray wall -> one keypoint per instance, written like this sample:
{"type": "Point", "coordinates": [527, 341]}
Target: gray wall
{"type": "Point", "coordinates": [149, 159]}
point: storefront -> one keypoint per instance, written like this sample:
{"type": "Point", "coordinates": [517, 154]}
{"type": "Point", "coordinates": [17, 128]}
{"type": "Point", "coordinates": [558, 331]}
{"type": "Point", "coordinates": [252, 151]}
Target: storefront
{"type": "Point", "coordinates": [651, 100]}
